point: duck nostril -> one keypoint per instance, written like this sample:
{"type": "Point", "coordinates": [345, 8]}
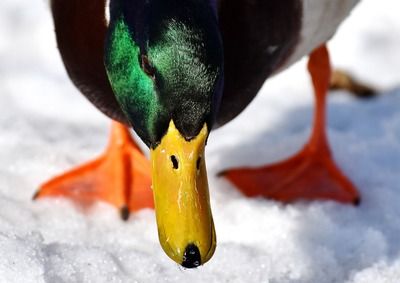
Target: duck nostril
{"type": "Point", "coordinates": [198, 163]}
{"type": "Point", "coordinates": [191, 257]}
{"type": "Point", "coordinates": [174, 161]}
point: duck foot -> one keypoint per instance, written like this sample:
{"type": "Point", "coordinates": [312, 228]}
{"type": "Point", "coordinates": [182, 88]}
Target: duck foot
{"type": "Point", "coordinates": [341, 80]}
{"type": "Point", "coordinates": [120, 176]}
{"type": "Point", "coordinates": [308, 175]}
{"type": "Point", "coordinates": [312, 173]}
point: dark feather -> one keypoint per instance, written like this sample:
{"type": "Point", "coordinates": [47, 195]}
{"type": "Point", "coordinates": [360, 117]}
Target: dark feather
{"type": "Point", "coordinates": [80, 31]}
{"type": "Point", "coordinates": [258, 36]}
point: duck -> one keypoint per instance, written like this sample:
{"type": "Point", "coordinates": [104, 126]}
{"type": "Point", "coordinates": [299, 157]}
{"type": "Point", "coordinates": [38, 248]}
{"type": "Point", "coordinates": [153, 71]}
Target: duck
{"type": "Point", "coordinates": [173, 70]}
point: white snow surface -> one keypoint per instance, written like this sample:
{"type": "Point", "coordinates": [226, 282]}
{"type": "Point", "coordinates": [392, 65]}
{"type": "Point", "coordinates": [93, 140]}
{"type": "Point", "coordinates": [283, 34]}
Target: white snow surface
{"type": "Point", "coordinates": [47, 127]}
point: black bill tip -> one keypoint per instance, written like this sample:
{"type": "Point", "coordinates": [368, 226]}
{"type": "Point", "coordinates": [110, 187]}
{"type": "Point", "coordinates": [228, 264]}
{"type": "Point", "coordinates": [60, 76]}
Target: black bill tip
{"type": "Point", "coordinates": [191, 257]}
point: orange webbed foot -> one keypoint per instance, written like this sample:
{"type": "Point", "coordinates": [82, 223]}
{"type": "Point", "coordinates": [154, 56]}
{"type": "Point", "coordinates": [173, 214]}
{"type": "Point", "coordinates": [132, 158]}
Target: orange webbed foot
{"type": "Point", "coordinates": [312, 173]}
{"type": "Point", "coordinates": [121, 176]}
{"type": "Point", "coordinates": [307, 175]}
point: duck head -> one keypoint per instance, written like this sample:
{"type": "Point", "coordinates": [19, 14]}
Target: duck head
{"type": "Point", "coordinates": [164, 60]}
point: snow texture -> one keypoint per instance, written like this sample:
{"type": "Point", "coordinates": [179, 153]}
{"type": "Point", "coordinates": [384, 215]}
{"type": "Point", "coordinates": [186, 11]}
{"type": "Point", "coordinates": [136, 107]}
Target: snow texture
{"type": "Point", "coordinates": [47, 127]}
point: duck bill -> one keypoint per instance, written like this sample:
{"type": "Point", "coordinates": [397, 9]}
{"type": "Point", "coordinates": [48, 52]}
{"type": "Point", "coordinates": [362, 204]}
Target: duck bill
{"type": "Point", "coordinates": [182, 202]}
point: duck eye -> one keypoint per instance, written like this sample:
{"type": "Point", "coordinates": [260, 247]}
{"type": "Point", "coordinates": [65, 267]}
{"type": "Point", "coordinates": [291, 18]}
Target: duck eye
{"type": "Point", "coordinates": [146, 66]}
{"type": "Point", "coordinates": [174, 161]}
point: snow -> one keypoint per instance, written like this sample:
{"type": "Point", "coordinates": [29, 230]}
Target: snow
{"type": "Point", "coordinates": [47, 127]}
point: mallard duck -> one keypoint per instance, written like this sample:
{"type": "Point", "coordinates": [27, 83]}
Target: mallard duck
{"type": "Point", "coordinates": [173, 70]}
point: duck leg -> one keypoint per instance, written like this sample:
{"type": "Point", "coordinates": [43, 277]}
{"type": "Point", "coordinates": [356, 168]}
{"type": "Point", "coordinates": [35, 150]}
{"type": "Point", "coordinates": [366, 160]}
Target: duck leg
{"type": "Point", "coordinates": [310, 174]}
{"type": "Point", "coordinates": [120, 176]}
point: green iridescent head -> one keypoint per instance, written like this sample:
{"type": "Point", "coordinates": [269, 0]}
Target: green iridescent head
{"type": "Point", "coordinates": [164, 60]}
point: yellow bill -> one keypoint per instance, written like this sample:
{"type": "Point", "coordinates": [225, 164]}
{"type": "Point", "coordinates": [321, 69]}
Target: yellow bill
{"type": "Point", "coordinates": [182, 201]}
